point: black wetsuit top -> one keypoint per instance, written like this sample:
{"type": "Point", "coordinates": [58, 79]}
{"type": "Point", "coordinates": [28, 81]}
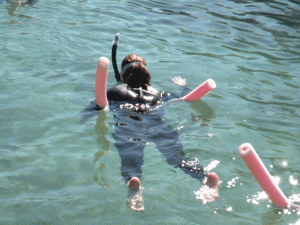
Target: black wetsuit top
{"type": "Point", "coordinates": [125, 93]}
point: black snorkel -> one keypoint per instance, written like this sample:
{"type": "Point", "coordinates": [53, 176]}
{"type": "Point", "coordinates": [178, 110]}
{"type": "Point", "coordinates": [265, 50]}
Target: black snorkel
{"type": "Point", "coordinates": [113, 56]}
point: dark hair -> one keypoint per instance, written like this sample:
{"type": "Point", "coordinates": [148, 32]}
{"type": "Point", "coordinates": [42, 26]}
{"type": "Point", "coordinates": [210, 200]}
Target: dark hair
{"type": "Point", "coordinates": [136, 75]}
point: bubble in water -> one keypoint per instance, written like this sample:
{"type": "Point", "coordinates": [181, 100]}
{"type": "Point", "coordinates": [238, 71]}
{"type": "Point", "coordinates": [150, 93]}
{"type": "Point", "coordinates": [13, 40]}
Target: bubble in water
{"type": "Point", "coordinates": [229, 209]}
{"type": "Point", "coordinates": [292, 180]}
{"type": "Point", "coordinates": [212, 165]}
{"type": "Point", "coordinates": [284, 163]}
{"type": "Point", "coordinates": [232, 182]}
{"type": "Point", "coordinates": [206, 194]}
{"type": "Point", "coordinates": [256, 198]}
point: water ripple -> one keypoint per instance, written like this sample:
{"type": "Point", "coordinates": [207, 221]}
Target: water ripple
{"type": "Point", "coordinates": [48, 57]}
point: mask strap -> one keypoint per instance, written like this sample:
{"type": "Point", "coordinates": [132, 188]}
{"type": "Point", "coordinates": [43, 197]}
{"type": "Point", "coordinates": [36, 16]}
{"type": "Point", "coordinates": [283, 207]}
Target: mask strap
{"type": "Point", "coordinates": [126, 67]}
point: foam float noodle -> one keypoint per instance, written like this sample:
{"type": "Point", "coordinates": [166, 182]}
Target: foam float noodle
{"type": "Point", "coordinates": [100, 82]}
{"type": "Point", "coordinates": [262, 175]}
{"type": "Point", "coordinates": [201, 90]}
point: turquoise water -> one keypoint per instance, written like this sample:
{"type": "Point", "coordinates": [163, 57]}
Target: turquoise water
{"type": "Point", "coordinates": [56, 171]}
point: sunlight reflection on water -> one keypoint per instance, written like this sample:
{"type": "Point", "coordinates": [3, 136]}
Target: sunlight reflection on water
{"type": "Point", "coordinates": [53, 168]}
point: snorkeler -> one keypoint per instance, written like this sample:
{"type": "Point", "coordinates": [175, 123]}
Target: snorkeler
{"type": "Point", "coordinates": [138, 121]}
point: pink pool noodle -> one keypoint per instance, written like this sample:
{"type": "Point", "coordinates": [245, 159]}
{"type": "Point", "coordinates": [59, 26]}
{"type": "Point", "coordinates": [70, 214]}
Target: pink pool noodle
{"type": "Point", "coordinates": [262, 175]}
{"type": "Point", "coordinates": [201, 90]}
{"type": "Point", "coordinates": [101, 80]}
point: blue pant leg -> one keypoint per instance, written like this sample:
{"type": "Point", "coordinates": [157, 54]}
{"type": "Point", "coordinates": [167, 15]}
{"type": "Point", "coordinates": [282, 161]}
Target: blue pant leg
{"type": "Point", "coordinates": [132, 156]}
{"type": "Point", "coordinates": [168, 143]}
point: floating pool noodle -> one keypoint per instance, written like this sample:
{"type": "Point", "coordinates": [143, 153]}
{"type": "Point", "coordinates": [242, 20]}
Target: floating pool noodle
{"type": "Point", "coordinates": [100, 82]}
{"type": "Point", "coordinates": [201, 90]}
{"type": "Point", "coordinates": [262, 175]}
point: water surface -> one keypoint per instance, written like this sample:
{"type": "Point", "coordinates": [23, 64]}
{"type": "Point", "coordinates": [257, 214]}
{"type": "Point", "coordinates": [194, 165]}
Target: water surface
{"type": "Point", "coordinates": [56, 171]}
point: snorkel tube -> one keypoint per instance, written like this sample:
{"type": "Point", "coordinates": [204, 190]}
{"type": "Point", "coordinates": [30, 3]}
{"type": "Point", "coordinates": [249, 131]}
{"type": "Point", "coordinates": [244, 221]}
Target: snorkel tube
{"type": "Point", "coordinates": [113, 56]}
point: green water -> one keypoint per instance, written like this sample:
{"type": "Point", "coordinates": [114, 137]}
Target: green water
{"type": "Point", "coordinates": [54, 170]}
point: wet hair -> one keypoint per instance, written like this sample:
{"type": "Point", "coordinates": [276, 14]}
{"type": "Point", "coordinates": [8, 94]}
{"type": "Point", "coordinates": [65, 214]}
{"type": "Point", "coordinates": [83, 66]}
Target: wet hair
{"type": "Point", "coordinates": [136, 75]}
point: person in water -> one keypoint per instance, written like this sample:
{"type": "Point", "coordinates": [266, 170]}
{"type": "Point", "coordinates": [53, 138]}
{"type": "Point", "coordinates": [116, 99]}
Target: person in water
{"type": "Point", "coordinates": [138, 121]}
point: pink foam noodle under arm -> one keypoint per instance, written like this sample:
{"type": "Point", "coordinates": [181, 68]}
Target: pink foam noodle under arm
{"type": "Point", "coordinates": [101, 80]}
{"type": "Point", "coordinates": [262, 175]}
{"type": "Point", "coordinates": [200, 91]}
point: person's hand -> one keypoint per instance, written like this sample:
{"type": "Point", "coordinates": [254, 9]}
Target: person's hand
{"type": "Point", "coordinates": [179, 81]}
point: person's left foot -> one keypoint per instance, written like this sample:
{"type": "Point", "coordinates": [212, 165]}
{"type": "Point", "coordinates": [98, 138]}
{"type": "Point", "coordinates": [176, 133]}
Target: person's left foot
{"type": "Point", "coordinates": [135, 198]}
{"type": "Point", "coordinates": [134, 183]}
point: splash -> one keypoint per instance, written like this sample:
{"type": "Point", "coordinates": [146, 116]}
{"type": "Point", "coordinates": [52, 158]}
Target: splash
{"type": "Point", "coordinates": [232, 182]}
{"type": "Point", "coordinates": [284, 163]}
{"type": "Point", "coordinates": [212, 165]}
{"type": "Point", "coordinates": [295, 198]}
{"type": "Point", "coordinates": [257, 197]}
{"type": "Point", "coordinates": [292, 180]}
{"type": "Point", "coordinates": [229, 209]}
{"type": "Point", "coordinates": [206, 194]}
{"type": "Point", "coordinates": [191, 164]}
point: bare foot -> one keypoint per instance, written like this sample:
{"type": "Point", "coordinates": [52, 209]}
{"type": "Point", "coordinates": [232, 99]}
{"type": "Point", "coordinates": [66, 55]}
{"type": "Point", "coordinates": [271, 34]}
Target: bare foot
{"type": "Point", "coordinates": [210, 191]}
{"type": "Point", "coordinates": [213, 192]}
{"type": "Point", "coordinates": [134, 183]}
{"type": "Point", "coordinates": [213, 181]}
{"type": "Point", "coordinates": [135, 199]}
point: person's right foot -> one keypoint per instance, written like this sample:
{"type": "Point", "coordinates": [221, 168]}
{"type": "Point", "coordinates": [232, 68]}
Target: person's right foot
{"type": "Point", "coordinates": [212, 181]}
{"type": "Point", "coordinates": [209, 192]}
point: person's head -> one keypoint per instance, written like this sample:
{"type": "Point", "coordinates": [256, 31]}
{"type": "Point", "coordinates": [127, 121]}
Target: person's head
{"type": "Point", "coordinates": [134, 71]}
